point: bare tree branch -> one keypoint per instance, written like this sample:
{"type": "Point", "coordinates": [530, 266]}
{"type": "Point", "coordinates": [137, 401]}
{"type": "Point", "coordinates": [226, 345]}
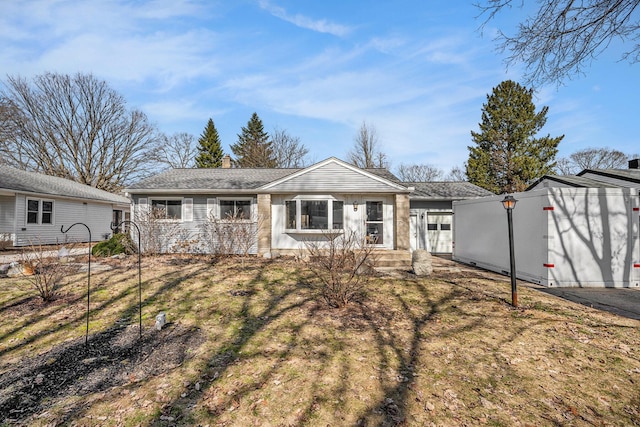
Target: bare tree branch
{"type": "Point", "coordinates": [74, 127]}
{"type": "Point", "coordinates": [365, 152]}
{"type": "Point", "coordinates": [419, 173]}
{"type": "Point", "coordinates": [565, 36]}
{"type": "Point", "coordinates": [288, 150]}
{"type": "Point", "coordinates": [177, 151]}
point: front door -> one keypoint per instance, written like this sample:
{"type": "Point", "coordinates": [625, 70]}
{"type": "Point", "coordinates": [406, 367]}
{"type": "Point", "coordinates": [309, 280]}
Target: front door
{"type": "Point", "coordinates": [375, 223]}
{"type": "Point", "coordinates": [117, 219]}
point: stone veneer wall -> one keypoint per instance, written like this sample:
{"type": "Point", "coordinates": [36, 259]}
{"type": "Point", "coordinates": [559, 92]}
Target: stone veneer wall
{"type": "Point", "coordinates": [264, 224]}
{"type": "Point", "coordinates": [401, 218]}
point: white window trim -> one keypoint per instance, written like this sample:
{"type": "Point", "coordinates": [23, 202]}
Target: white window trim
{"type": "Point", "coordinates": [314, 198]}
{"type": "Point", "coordinates": [39, 221]}
{"type": "Point", "coordinates": [182, 199]}
{"type": "Point", "coordinates": [252, 214]}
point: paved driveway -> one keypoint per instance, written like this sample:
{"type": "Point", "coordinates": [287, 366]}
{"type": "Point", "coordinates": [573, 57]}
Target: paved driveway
{"type": "Point", "coordinates": [621, 301]}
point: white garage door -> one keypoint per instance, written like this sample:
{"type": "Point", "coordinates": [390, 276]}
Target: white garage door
{"type": "Point", "coordinates": [439, 232]}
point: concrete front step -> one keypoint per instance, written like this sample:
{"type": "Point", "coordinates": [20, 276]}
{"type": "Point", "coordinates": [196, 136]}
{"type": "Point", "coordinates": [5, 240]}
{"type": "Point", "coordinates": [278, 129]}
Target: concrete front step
{"type": "Point", "coordinates": [393, 259]}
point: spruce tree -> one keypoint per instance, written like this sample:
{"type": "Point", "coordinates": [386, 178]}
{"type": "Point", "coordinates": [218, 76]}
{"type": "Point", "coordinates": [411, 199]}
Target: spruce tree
{"type": "Point", "coordinates": [254, 148]}
{"type": "Point", "coordinates": [507, 157]}
{"type": "Point", "coordinates": [209, 149]}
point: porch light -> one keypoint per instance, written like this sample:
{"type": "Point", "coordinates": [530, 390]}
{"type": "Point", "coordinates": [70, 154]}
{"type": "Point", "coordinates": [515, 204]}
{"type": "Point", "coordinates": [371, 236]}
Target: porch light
{"type": "Point", "coordinates": [509, 203]}
{"type": "Point", "coordinates": [355, 206]}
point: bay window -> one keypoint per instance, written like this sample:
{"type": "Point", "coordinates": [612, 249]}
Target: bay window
{"type": "Point", "coordinates": [314, 214]}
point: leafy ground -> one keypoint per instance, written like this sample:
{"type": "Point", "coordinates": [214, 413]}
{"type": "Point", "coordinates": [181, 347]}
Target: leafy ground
{"type": "Point", "coordinates": [248, 343]}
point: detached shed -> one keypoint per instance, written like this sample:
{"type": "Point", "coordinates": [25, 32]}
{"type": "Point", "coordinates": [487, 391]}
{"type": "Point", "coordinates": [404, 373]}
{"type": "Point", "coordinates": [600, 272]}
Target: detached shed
{"type": "Point", "coordinates": [564, 236]}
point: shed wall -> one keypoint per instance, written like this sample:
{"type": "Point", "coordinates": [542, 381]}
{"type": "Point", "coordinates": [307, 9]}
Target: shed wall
{"type": "Point", "coordinates": [563, 236]}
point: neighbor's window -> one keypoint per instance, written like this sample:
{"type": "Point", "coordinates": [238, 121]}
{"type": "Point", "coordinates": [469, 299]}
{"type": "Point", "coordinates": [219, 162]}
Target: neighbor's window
{"type": "Point", "coordinates": [314, 214]}
{"type": "Point", "coordinates": [168, 209]}
{"type": "Point", "coordinates": [39, 211]}
{"type": "Point", "coordinates": [235, 209]}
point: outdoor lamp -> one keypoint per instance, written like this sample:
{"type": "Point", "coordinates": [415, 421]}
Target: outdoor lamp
{"type": "Point", "coordinates": [355, 206]}
{"type": "Point", "coordinates": [509, 203]}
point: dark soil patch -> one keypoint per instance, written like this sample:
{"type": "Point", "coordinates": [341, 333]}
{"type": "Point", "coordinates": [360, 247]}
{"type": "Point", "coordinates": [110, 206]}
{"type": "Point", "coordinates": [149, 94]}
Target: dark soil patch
{"type": "Point", "coordinates": [111, 358]}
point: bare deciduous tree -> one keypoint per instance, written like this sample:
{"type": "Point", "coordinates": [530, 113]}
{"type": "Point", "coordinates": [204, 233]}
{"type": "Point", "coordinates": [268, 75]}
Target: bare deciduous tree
{"type": "Point", "coordinates": [419, 173]}
{"type": "Point", "coordinates": [75, 127]}
{"type": "Point", "coordinates": [365, 152]}
{"type": "Point", "coordinates": [177, 151]}
{"type": "Point", "coordinates": [456, 174]}
{"type": "Point", "coordinates": [563, 36]}
{"type": "Point", "coordinates": [341, 262]}
{"type": "Point", "coordinates": [593, 158]}
{"type": "Point", "coordinates": [288, 150]}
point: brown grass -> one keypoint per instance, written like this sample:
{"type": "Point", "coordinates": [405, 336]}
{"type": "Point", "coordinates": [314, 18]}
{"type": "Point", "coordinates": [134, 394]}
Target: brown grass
{"type": "Point", "coordinates": [253, 346]}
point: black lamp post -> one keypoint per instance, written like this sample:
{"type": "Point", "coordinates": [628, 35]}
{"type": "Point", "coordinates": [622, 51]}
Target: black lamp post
{"type": "Point", "coordinates": [509, 203]}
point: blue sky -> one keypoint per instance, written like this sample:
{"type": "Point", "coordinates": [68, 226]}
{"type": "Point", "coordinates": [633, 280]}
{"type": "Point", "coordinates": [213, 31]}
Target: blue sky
{"type": "Point", "coordinates": [418, 71]}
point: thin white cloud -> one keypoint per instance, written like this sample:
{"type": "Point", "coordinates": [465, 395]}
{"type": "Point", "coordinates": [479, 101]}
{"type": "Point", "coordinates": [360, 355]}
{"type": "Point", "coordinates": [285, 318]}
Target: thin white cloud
{"type": "Point", "coordinates": [320, 26]}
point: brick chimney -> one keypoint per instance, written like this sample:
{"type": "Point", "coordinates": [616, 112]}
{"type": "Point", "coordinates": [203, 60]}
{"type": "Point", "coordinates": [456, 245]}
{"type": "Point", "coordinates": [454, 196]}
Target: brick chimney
{"type": "Point", "coordinates": [634, 164]}
{"type": "Point", "coordinates": [226, 162]}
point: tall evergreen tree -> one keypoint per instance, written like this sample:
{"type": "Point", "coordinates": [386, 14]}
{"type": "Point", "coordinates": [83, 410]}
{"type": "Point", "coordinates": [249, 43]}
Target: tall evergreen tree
{"type": "Point", "coordinates": [254, 148]}
{"type": "Point", "coordinates": [209, 148]}
{"type": "Point", "coordinates": [507, 157]}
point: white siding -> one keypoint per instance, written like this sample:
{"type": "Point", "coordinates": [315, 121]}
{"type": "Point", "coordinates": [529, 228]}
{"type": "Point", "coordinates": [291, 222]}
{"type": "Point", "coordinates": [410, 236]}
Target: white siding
{"type": "Point", "coordinates": [7, 214]}
{"type": "Point", "coordinates": [332, 177]}
{"type": "Point", "coordinates": [353, 220]}
{"type": "Point", "coordinates": [65, 213]}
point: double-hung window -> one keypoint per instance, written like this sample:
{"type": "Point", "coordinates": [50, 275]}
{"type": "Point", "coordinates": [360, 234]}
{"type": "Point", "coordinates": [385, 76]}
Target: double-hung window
{"type": "Point", "coordinates": [167, 208]}
{"type": "Point", "coordinates": [235, 209]}
{"type": "Point", "coordinates": [314, 214]}
{"type": "Point", "coordinates": [39, 211]}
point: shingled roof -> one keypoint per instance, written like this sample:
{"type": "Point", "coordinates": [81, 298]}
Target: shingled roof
{"type": "Point", "coordinates": [573, 181]}
{"type": "Point", "coordinates": [207, 179]}
{"type": "Point", "coordinates": [224, 179]}
{"type": "Point", "coordinates": [455, 190]}
{"type": "Point", "coordinates": [17, 180]}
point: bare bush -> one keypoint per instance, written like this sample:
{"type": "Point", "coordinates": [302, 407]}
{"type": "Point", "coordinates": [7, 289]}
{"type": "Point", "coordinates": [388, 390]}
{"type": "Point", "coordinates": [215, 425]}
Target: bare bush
{"type": "Point", "coordinates": [43, 271]}
{"type": "Point", "coordinates": [5, 241]}
{"type": "Point", "coordinates": [232, 235]}
{"type": "Point", "coordinates": [157, 233]}
{"type": "Point", "coordinates": [342, 263]}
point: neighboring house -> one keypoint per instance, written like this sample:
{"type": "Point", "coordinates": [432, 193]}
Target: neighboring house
{"type": "Point", "coordinates": [431, 212]}
{"type": "Point", "coordinates": [580, 230]}
{"type": "Point", "coordinates": [287, 207]}
{"type": "Point", "coordinates": [595, 178]}
{"type": "Point", "coordinates": [33, 208]}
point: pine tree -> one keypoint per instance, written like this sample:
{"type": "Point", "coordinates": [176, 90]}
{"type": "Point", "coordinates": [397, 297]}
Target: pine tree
{"type": "Point", "coordinates": [507, 157]}
{"type": "Point", "coordinates": [209, 148]}
{"type": "Point", "coordinates": [254, 149]}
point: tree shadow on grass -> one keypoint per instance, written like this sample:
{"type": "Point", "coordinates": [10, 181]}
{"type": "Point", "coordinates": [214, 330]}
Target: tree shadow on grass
{"type": "Point", "coordinates": [112, 357]}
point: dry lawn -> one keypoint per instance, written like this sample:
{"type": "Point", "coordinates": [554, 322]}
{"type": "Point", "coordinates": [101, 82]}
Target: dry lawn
{"type": "Point", "coordinates": [250, 344]}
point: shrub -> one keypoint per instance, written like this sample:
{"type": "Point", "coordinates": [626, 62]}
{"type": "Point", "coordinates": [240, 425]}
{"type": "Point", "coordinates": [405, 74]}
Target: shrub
{"type": "Point", "coordinates": [44, 272]}
{"type": "Point", "coordinates": [342, 263]}
{"type": "Point", "coordinates": [118, 244]}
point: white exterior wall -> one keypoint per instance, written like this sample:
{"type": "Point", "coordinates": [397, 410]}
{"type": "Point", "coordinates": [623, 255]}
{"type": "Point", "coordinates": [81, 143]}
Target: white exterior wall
{"type": "Point", "coordinates": [7, 218]}
{"type": "Point", "coordinates": [353, 220]}
{"type": "Point", "coordinates": [589, 239]}
{"type": "Point", "coordinates": [97, 216]}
